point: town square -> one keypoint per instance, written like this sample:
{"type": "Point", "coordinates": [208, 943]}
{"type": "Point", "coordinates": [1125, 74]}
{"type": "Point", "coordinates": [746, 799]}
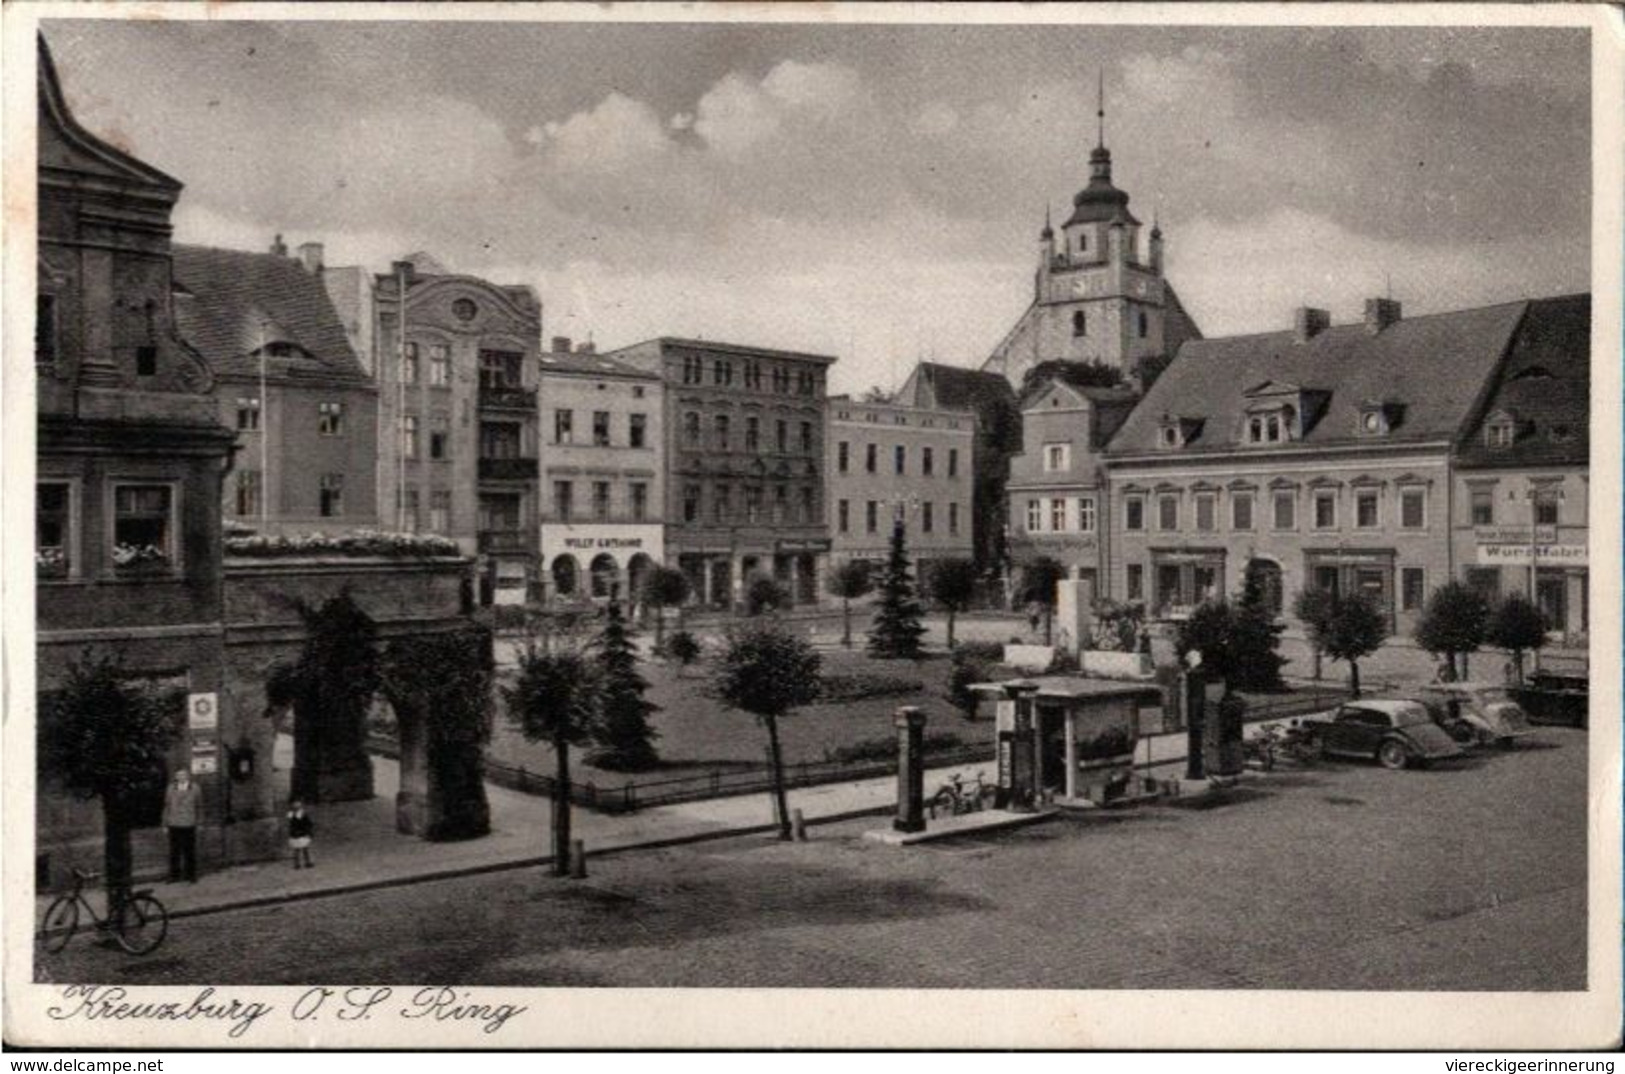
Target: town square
{"type": "Point", "coordinates": [516, 508]}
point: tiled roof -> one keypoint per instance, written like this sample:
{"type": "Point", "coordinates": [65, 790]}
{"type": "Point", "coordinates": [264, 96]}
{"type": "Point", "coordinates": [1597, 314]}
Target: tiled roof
{"type": "Point", "coordinates": [1546, 386]}
{"type": "Point", "coordinates": [955, 387]}
{"type": "Point", "coordinates": [575, 362]}
{"type": "Point", "coordinates": [225, 296]}
{"type": "Point", "coordinates": [1429, 370]}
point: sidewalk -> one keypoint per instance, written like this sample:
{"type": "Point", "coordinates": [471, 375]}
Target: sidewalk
{"type": "Point", "coordinates": [357, 847]}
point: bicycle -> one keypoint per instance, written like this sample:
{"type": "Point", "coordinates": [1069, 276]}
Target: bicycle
{"type": "Point", "coordinates": [956, 796]}
{"type": "Point", "coordinates": [138, 922]}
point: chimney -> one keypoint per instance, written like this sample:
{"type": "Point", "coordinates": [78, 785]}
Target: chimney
{"type": "Point", "coordinates": [589, 347]}
{"type": "Point", "coordinates": [1380, 313]}
{"type": "Point", "coordinates": [561, 345]}
{"type": "Point", "coordinates": [402, 269]}
{"type": "Point", "coordinates": [311, 254]}
{"type": "Point", "coordinates": [279, 247]}
{"type": "Point", "coordinates": [1307, 323]}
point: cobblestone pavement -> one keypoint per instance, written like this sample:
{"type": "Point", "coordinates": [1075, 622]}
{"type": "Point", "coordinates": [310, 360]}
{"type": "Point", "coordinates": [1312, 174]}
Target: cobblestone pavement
{"type": "Point", "coordinates": [1469, 876]}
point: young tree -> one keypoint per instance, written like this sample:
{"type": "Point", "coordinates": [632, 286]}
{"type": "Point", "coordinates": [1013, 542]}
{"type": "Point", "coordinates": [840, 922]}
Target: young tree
{"type": "Point", "coordinates": [555, 699]}
{"type": "Point", "coordinates": [1077, 374]}
{"type": "Point", "coordinates": [664, 587]}
{"type": "Point", "coordinates": [1517, 625]}
{"type": "Point", "coordinates": [897, 628]}
{"type": "Point", "coordinates": [764, 595]}
{"type": "Point", "coordinates": [967, 667]}
{"type": "Point", "coordinates": [953, 585]}
{"type": "Point", "coordinates": [1452, 623]}
{"type": "Point", "coordinates": [849, 581]}
{"type": "Point", "coordinates": [440, 688]}
{"type": "Point", "coordinates": [1039, 577]}
{"type": "Point", "coordinates": [1355, 628]}
{"type": "Point", "coordinates": [1257, 637]}
{"type": "Point", "coordinates": [684, 648]}
{"type": "Point", "coordinates": [1314, 608]}
{"type": "Point", "coordinates": [767, 673]}
{"type": "Point", "coordinates": [623, 728]}
{"type": "Point", "coordinates": [106, 738]}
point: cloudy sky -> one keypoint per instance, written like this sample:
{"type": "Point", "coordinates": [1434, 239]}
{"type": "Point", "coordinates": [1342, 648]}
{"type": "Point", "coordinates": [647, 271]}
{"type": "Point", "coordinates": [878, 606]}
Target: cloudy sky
{"type": "Point", "coordinates": [868, 191]}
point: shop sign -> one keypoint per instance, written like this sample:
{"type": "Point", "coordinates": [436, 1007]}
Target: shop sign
{"type": "Point", "coordinates": [205, 758]}
{"type": "Point", "coordinates": [202, 711]}
{"type": "Point", "coordinates": [1354, 558]}
{"type": "Point", "coordinates": [1558, 555]}
{"type": "Point", "coordinates": [590, 540]}
{"type": "Point", "coordinates": [1516, 535]}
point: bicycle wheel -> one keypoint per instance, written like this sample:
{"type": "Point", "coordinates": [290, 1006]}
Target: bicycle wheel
{"type": "Point", "coordinates": [143, 924]}
{"type": "Point", "coordinates": [61, 920]}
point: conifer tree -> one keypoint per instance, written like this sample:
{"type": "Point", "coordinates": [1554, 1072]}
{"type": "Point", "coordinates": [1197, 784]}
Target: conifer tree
{"type": "Point", "coordinates": [1256, 638]}
{"type": "Point", "coordinates": [897, 628]}
{"type": "Point", "coordinates": [623, 730]}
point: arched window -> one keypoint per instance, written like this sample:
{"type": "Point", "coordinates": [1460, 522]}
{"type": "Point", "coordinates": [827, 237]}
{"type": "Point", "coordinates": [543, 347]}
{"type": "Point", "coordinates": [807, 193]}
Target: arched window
{"type": "Point", "coordinates": [605, 575]}
{"type": "Point", "coordinates": [564, 576]}
{"type": "Point", "coordinates": [1143, 324]}
{"type": "Point", "coordinates": [1080, 324]}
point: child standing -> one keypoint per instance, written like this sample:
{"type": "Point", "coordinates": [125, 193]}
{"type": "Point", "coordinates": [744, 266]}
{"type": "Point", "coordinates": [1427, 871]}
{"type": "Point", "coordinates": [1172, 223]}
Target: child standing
{"type": "Point", "coordinates": [300, 829]}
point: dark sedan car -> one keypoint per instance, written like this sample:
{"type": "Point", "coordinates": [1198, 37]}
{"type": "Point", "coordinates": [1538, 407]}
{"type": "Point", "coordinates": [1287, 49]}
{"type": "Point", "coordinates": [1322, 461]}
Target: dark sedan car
{"type": "Point", "coordinates": [1394, 733]}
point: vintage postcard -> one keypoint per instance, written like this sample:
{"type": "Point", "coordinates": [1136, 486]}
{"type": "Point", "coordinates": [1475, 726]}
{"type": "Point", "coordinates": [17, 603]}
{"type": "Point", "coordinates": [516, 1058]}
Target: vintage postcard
{"type": "Point", "coordinates": [815, 526]}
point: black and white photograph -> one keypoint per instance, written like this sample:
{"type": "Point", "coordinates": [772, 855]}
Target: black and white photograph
{"type": "Point", "coordinates": [1087, 505]}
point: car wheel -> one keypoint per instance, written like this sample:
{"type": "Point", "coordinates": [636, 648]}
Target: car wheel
{"type": "Point", "coordinates": [1393, 754]}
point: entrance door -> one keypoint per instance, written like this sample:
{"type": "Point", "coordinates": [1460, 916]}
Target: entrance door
{"type": "Point", "coordinates": [1052, 749]}
{"type": "Point", "coordinates": [1551, 598]}
{"type": "Point", "coordinates": [1327, 579]}
{"type": "Point", "coordinates": [1167, 585]}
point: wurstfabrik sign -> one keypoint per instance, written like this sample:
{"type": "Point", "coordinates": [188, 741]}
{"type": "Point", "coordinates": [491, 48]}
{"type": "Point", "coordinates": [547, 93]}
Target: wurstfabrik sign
{"type": "Point", "coordinates": [1557, 555]}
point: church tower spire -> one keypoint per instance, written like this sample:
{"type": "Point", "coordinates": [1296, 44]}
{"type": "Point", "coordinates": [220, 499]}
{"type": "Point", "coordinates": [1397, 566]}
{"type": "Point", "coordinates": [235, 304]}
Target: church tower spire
{"type": "Point", "coordinates": [1100, 111]}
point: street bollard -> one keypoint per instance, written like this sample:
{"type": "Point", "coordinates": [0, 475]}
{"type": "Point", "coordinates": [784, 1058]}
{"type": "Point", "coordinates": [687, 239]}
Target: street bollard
{"type": "Point", "coordinates": [578, 859]}
{"type": "Point", "coordinates": [798, 825]}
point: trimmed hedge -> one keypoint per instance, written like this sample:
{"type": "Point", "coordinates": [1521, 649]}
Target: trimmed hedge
{"type": "Point", "coordinates": [863, 687]}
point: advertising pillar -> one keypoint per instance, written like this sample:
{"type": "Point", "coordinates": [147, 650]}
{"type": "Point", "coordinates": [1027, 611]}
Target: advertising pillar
{"type": "Point", "coordinates": [910, 724]}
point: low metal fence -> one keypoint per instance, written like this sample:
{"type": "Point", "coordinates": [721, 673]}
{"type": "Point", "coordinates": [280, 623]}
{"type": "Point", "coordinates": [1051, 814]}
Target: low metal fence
{"type": "Point", "coordinates": [636, 794]}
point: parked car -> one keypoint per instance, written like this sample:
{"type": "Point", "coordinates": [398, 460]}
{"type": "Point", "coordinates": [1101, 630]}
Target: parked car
{"type": "Point", "coordinates": [1395, 733]}
{"type": "Point", "coordinates": [1487, 706]}
{"type": "Point", "coordinates": [1560, 697]}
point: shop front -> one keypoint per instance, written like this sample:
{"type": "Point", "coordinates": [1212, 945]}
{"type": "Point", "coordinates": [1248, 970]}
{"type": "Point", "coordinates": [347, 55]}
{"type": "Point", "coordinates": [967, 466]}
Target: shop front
{"type": "Point", "coordinates": [585, 562]}
{"type": "Point", "coordinates": [1343, 571]}
{"type": "Point", "coordinates": [1552, 573]}
{"type": "Point", "coordinates": [1184, 577]}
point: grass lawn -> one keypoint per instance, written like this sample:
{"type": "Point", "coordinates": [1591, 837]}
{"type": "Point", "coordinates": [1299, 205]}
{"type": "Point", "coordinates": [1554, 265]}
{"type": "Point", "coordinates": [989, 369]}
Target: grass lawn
{"type": "Point", "coordinates": [697, 734]}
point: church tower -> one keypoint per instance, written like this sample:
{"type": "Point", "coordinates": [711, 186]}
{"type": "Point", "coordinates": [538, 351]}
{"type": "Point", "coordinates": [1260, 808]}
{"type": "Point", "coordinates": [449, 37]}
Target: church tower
{"type": "Point", "coordinates": [1096, 296]}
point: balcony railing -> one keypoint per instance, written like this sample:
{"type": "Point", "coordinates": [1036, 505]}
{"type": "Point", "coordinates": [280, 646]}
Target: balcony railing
{"type": "Point", "coordinates": [508, 541]}
{"type": "Point", "coordinates": [508, 398]}
{"type": "Point", "coordinates": [518, 469]}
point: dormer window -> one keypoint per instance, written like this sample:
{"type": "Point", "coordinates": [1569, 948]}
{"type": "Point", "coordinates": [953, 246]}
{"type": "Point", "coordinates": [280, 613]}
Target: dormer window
{"type": "Point", "coordinates": [1169, 436]}
{"type": "Point", "coordinates": [1176, 432]}
{"type": "Point", "coordinates": [1057, 458]}
{"type": "Point", "coordinates": [1378, 419]}
{"type": "Point", "coordinates": [1500, 429]}
{"type": "Point", "coordinates": [1271, 427]}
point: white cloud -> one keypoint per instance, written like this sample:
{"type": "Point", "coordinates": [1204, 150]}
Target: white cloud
{"type": "Point", "coordinates": [615, 134]}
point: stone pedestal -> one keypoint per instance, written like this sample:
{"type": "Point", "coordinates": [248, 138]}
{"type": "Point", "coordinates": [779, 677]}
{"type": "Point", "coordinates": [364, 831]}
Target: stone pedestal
{"type": "Point", "coordinates": [910, 724]}
{"type": "Point", "coordinates": [1074, 616]}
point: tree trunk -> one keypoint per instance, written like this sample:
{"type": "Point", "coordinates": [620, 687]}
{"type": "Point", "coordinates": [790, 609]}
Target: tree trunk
{"type": "Point", "coordinates": [660, 625]}
{"type": "Point", "coordinates": [1354, 677]}
{"type": "Point", "coordinates": [1049, 625]}
{"type": "Point", "coordinates": [846, 622]}
{"type": "Point", "coordinates": [950, 628]}
{"type": "Point", "coordinates": [1517, 663]}
{"type": "Point", "coordinates": [1316, 650]}
{"type": "Point", "coordinates": [561, 808]}
{"type": "Point", "coordinates": [117, 854]}
{"type": "Point", "coordinates": [777, 759]}
{"type": "Point", "coordinates": [1465, 672]}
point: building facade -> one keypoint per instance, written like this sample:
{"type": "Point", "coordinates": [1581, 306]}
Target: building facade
{"type": "Point", "coordinates": [1099, 295]}
{"type": "Point", "coordinates": [889, 464]}
{"type": "Point", "coordinates": [129, 462]}
{"type": "Point", "coordinates": [745, 495]}
{"type": "Point", "coordinates": [1315, 457]}
{"type": "Point", "coordinates": [937, 387]}
{"type": "Point", "coordinates": [603, 481]}
{"type": "Point", "coordinates": [458, 441]}
{"type": "Point", "coordinates": [1522, 471]}
{"type": "Point", "coordinates": [288, 382]}
{"type": "Point", "coordinates": [1057, 488]}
